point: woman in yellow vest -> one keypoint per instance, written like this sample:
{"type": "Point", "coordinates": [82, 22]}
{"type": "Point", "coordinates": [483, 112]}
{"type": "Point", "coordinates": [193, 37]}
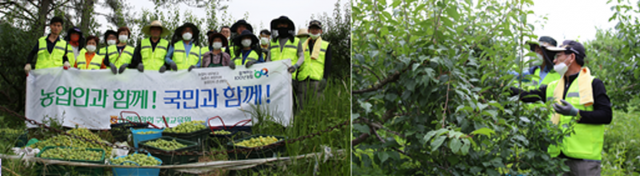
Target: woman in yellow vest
{"type": "Point", "coordinates": [576, 93]}
{"type": "Point", "coordinates": [120, 55]}
{"type": "Point", "coordinates": [184, 53]}
{"type": "Point", "coordinates": [76, 43]}
{"type": "Point", "coordinates": [247, 50]}
{"type": "Point", "coordinates": [88, 59]}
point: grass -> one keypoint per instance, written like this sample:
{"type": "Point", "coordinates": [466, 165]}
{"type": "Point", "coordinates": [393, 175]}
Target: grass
{"type": "Point", "coordinates": [622, 144]}
{"type": "Point", "coordinates": [318, 115]}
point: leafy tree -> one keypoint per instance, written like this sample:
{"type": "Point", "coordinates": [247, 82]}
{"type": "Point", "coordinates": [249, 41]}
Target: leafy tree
{"type": "Point", "coordinates": [336, 30]}
{"type": "Point", "coordinates": [431, 94]}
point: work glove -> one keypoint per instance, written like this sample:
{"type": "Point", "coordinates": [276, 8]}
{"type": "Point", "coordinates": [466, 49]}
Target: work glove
{"type": "Point", "coordinates": [191, 68]}
{"type": "Point", "coordinates": [232, 65]}
{"type": "Point", "coordinates": [163, 69]}
{"type": "Point", "coordinates": [293, 68]}
{"type": "Point", "coordinates": [27, 69]}
{"type": "Point", "coordinates": [113, 68]}
{"type": "Point", "coordinates": [122, 68]}
{"type": "Point", "coordinates": [567, 109]}
{"type": "Point", "coordinates": [250, 63]}
{"type": "Point", "coordinates": [66, 65]}
{"type": "Point", "coordinates": [173, 65]}
{"type": "Point", "coordinates": [140, 67]}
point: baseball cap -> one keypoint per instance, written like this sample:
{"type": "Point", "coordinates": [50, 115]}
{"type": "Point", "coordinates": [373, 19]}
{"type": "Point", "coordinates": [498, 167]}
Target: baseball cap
{"type": "Point", "coordinates": [315, 23]}
{"type": "Point", "coordinates": [571, 46]}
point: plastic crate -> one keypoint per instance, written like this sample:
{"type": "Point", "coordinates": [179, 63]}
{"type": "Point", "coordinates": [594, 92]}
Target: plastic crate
{"type": "Point", "coordinates": [200, 137]}
{"type": "Point", "coordinates": [120, 131]}
{"type": "Point", "coordinates": [257, 152]}
{"type": "Point", "coordinates": [236, 131]}
{"type": "Point", "coordinates": [62, 170]}
{"type": "Point", "coordinates": [143, 137]}
{"type": "Point", "coordinates": [169, 159]}
{"type": "Point", "coordinates": [118, 171]}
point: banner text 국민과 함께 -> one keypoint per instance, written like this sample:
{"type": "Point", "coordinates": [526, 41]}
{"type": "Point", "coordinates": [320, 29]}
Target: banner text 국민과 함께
{"type": "Point", "coordinates": [90, 98]}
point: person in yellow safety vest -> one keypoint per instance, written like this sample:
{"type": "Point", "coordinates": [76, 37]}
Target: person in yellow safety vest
{"type": "Point", "coordinates": [313, 73]}
{"type": "Point", "coordinates": [302, 35]}
{"type": "Point", "coordinates": [88, 59]}
{"type": "Point", "coordinates": [265, 36]}
{"type": "Point", "coordinates": [247, 51]}
{"type": "Point", "coordinates": [184, 53]}
{"type": "Point", "coordinates": [51, 50]}
{"type": "Point", "coordinates": [236, 30]}
{"type": "Point", "coordinates": [150, 52]}
{"type": "Point", "coordinates": [76, 42]}
{"type": "Point", "coordinates": [577, 95]}
{"type": "Point", "coordinates": [119, 56]}
{"type": "Point", "coordinates": [210, 37]}
{"type": "Point", "coordinates": [226, 31]}
{"type": "Point", "coordinates": [215, 57]}
{"type": "Point", "coordinates": [542, 65]}
{"type": "Point", "coordinates": [284, 45]}
{"type": "Point", "coordinates": [110, 38]}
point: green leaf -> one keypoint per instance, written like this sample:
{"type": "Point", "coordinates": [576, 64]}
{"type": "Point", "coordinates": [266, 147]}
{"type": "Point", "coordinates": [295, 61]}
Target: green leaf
{"type": "Point", "coordinates": [361, 128]}
{"type": "Point", "coordinates": [454, 145]}
{"type": "Point", "coordinates": [484, 131]}
{"type": "Point", "coordinates": [427, 137]}
{"type": "Point", "coordinates": [465, 147]}
{"type": "Point", "coordinates": [453, 13]}
{"type": "Point", "coordinates": [437, 143]}
{"type": "Point", "coordinates": [383, 156]}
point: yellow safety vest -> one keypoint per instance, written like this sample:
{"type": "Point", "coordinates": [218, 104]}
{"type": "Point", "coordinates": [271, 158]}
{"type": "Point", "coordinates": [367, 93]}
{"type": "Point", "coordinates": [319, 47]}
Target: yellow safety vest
{"type": "Point", "coordinates": [253, 56]}
{"type": "Point", "coordinates": [180, 55]}
{"type": "Point", "coordinates": [53, 59]}
{"type": "Point", "coordinates": [313, 68]}
{"type": "Point", "coordinates": [119, 59]}
{"type": "Point", "coordinates": [153, 59]}
{"type": "Point", "coordinates": [289, 51]}
{"type": "Point", "coordinates": [588, 139]}
{"type": "Point", "coordinates": [95, 63]}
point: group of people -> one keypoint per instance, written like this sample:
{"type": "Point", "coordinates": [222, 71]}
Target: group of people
{"type": "Point", "coordinates": [310, 55]}
{"type": "Point", "coordinates": [563, 77]}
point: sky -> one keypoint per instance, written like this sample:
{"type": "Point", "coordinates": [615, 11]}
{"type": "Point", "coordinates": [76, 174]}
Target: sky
{"type": "Point", "coordinates": [571, 19]}
{"type": "Point", "coordinates": [260, 11]}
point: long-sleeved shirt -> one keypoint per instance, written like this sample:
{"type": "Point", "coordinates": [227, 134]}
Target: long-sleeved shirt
{"type": "Point", "coordinates": [222, 59]}
{"type": "Point", "coordinates": [50, 46]}
{"type": "Point", "coordinates": [187, 48]}
{"type": "Point", "coordinates": [601, 113]}
{"type": "Point", "coordinates": [327, 58]}
{"type": "Point", "coordinates": [137, 57]}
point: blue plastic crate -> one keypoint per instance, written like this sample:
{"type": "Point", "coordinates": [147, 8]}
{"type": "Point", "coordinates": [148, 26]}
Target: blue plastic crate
{"type": "Point", "coordinates": [143, 137]}
{"type": "Point", "coordinates": [136, 171]}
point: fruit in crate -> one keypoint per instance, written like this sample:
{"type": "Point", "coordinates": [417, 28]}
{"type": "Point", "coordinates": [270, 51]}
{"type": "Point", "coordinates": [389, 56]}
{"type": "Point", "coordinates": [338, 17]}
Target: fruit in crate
{"type": "Point", "coordinates": [257, 141]}
{"type": "Point", "coordinates": [147, 132]}
{"type": "Point", "coordinates": [187, 127]}
{"type": "Point", "coordinates": [141, 159]}
{"type": "Point", "coordinates": [69, 141]}
{"type": "Point", "coordinates": [72, 154]}
{"type": "Point", "coordinates": [221, 132]}
{"type": "Point", "coordinates": [165, 144]}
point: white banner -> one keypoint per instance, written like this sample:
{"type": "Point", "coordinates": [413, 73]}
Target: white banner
{"type": "Point", "coordinates": [91, 98]}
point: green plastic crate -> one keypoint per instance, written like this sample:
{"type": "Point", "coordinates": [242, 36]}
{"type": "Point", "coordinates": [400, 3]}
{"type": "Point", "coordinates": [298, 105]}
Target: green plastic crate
{"type": "Point", "coordinates": [257, 152]}
{"type": "Point", "coordinates": [200, 137]}
{"type": "Point", "coordinates": [168, 159]}
{"type": "Point", "coordinates": [62, 170]}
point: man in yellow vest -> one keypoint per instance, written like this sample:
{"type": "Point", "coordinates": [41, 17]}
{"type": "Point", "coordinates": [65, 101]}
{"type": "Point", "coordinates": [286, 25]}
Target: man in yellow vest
{"type": "Point", "coordinates": [51, 50]}
{"type": "Point", "coordinates": [236, 30]}
{"type": "Point", "coordinates": [284, 45]}
{"type": "Point", "coordinates": [150, 52]}
{"type": "Point", "coordinates": [76, 42]}
{"type": "Point", "coordinates": [313, 73]}
{"type": "Point", "coordinates": [184, 53]}
{"type": "Point", "coordinates": [543, 70]}
{"type": "Point", "coordinates": [226, 31]}
{"type": "Point", "coordinates": [265, 36]}
{"type": "Point", "coordinates": [577, 96]}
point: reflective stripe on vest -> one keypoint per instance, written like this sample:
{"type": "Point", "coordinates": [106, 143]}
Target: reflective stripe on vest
{"type": "Point", "coordinates": [119, 59]}
{"type": "Point", "coordinates": [313, 68]}
{"type": "Point", "coordinates": [253, 56]}
{"type": "Point", "coordinates": [180, 55]}
{"type": "Point", "coordinates": [95, 63]}
{"type": "Point", "coordinates": [153, 59]}
{"type": "Point", "coordinates": [587, 140]}
{"type": "Point", "coordinates": [289, 51]}
{"type": "Point", "coordinates": [53, 59]}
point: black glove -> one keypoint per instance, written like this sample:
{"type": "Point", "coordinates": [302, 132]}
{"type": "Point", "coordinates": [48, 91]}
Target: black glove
{"type": "Point", "coordinates": [292, 68]}
{"type": "Point", "coordinates": [250, 63]}
{"type": "Point", "coordinates": [122, 68]}
{"type": "Point", "coordinates": [163, 69]}
{"type": "Point", "coordinates": [191, 67]}
{"type": "Point", "coordinates": [232, 65]}
{"type": "Point", "coordinates": [174, 67]}
{"type": "Point", "coordinates": [140, 67]}
{"type": "Point", "coordinates": [113, 68]}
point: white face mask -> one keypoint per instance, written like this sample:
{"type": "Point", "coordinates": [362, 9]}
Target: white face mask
{"type": "Point", "coordinates": [246, 42]}
{"type": "Point", "coordinates": [123, 38]}
{"type": "Point", "coordinates": [561, 68]}
{"type": "Point", "coordinates": [187, 36]}
{"type": "Point", "coordinates": [264, 41]}
{"type": "Point", "coordinates": [314, 36]}
{"type": "Point", "coordinates": [217, 45]}
{"type": "Point", "coordinates": [111, 42]}
{"type": "Point", "coordinates": [537, 60]}
{"type": "Point", "coordinates": [91, 48]}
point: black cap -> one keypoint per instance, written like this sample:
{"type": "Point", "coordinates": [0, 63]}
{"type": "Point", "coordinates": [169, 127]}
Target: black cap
{"type": "Point", "coordinates": [315, 23]}
{"type": "Point", "coordinates": [246, 32]}
{"type": "Point", "coordinates": [56, 20]}
{"type": "Point", "coordinates": [265, 32]}
{"type": "Point", "coordinates": [571, 46]}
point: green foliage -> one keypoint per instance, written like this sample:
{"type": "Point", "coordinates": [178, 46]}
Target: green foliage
{"type": "Point", "coordinates": [336, 30]}
{"type": "Point", "coordinates": [621, 145]}
{"type": "Point", "coordinates": [430, 90]}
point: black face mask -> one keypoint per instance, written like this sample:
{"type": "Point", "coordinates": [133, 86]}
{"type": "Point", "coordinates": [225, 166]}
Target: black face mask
{"type": "Point", "coordinates": [283, 32]}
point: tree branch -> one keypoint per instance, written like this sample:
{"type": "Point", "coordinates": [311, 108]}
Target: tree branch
{"type": "Point", "coordinates": [369, 69]}
{"type": "Point", "coordinates": [386, 116]}
{"type": "Point", "coordinates": [55, 6]}
{"type": "Point", "coordinates": [392, 78]}
{"type": "Point", "coordinates": [11, 3]}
